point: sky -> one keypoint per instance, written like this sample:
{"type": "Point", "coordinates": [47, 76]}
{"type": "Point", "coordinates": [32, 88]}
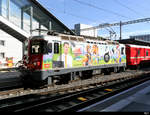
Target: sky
{"type": "Point", "coordinates": [95, 12]}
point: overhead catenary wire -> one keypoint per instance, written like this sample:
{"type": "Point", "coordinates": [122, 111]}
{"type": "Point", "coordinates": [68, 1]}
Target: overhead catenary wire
{"type": "Point", "coordinates": [64, 11]}
{"type": "Point", "coordinates": [102, 9]}
{"type": "Point", "coordinates": [71, 14]}
{"type": "Point", "coordinates": [130, 9]}
{"type": "Point", "coordinates": [118, 24]}
{"type": "Point", "coordinates": [64, 6]}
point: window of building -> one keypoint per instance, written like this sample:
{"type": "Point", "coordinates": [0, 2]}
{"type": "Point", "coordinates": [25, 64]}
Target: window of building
{"type": "Point", "coordinates": [2, 43]}
{"type": "Point", "coordinates": [2, 55]}
{"type": "Point", "coordinates": [3, 6]}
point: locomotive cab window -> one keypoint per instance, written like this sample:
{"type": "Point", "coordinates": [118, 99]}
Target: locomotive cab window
{"type": "Point", "coordinates": [56, 48]}
{"type": "Point", "coordinates": [38, 47]}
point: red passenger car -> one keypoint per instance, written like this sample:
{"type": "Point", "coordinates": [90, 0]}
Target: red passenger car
{"type": "Point", "coordinates": [137, 55]}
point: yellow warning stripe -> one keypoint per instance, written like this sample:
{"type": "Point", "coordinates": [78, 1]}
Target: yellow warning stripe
{"type": "Point", "coordinates": [82, 98]}
{"type": "Point", "coordinates": [109, 90]}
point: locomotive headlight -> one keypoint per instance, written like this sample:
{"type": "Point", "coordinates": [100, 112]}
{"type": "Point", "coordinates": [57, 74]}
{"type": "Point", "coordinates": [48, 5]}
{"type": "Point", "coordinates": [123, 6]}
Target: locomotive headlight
{"type": "Point", "coordinates": [38, 63]}
{"type": "Point", "coordinates": [34, 64]}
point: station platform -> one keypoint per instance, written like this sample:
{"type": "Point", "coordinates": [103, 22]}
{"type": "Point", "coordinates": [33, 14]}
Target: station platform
{"type": "Point", "coordinates": [9, 75]}
{"type": "Point", "coordinates": [9, 79]}
{"type": "Point", "coordinates": [136, 99]}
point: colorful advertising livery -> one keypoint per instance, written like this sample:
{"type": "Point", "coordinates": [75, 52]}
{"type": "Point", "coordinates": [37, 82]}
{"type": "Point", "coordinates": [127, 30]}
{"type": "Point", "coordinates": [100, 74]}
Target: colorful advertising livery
{"type": "Point", "coordinates": [81, 54]}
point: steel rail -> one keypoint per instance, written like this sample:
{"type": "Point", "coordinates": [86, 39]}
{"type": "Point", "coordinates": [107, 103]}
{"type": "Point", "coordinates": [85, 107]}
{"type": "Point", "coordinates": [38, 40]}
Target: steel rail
{"type": "Point", "coordinates": [79, 100]}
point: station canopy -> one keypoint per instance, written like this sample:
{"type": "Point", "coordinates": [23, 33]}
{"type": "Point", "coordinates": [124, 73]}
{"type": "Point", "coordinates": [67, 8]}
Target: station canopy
{"type": "Point", "coordinates": [134, 41]}
{"type": "Point", "coordinates": [30, 15]}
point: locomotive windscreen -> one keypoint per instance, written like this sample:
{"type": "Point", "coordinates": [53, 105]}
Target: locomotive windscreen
{"type": "Point", "coordinates": [38, 47]}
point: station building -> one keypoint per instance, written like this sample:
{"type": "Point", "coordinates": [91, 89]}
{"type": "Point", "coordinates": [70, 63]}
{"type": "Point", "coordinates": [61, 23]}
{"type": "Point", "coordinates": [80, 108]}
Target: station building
{"type": "Point", "coordinates": [18, 19]}
{"type": "Point", "coordinates": [79, 30]}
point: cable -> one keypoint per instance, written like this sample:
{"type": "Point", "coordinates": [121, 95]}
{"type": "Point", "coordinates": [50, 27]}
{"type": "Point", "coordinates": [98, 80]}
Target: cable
{"type": "Point", "coordinates": [132, 10]}
{"type": "Point", "coordinates": [64, 6]}
{"type": "Point", "coordinates": [99, 8]}
{"type": "Point", "coordinates": [67, 13]}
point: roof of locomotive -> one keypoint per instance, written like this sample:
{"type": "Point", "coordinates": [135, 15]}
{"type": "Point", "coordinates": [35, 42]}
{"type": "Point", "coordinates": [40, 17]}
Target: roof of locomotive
{"type": "Point", "coordinates": [86, 39]}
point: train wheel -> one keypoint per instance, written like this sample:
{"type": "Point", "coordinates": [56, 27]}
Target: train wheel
{"type": "Point", "coordinates": [64, 79]}
{"type": "Point", "coordinates": [115, 69]}
{"type": "Point", "coordinates": [86, 74]}
{"type": "Point", "coordinates": [97, 72]}
{"type": "Point", "coordinates": [106, 71]}
{"type": "Point", "coordinates": [123, 69]}
{"type": "Point", "coordinates": [138, 67]}
{"type": "Point", "coordinates": [75, 76]}
{"type": "Point", "coordinates": [50, 80]}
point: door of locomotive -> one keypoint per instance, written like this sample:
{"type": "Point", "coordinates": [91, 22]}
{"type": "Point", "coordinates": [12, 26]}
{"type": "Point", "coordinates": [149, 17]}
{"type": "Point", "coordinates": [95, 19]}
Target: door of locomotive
{"type": "Point", "coordinates": [54, 49]}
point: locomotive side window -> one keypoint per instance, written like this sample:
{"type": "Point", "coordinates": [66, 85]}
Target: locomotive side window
{"type": "Point", "coordinates": [49, 46]}
{"type": "Point", "coordinates": [146, 52]}
{"type": "Point", "coordinates": [56, 48]}
{"type": "Point", "coordinates": [122, 51]}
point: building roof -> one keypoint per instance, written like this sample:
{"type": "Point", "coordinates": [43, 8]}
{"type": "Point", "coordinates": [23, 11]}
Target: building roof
{"type": "Point", "coordinates": [52, 16]}
{"type": "Point", "coordinates": [134, 41]}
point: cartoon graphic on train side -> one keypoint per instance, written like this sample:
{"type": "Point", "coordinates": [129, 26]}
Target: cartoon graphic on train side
{"type": "Point", "coordinates": [75, 54]}
{"type": "Point", "coordinates": [66, 56]}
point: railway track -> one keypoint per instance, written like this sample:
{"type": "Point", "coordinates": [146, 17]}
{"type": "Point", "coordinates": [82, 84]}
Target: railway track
{"type": "Point", "coordinates": [75, 86]}
{"type": "Point", "coordinates": [10, 80]}
{"type": "Point", "coordinates": [72, 101]}
{"type": "Point", "coordinates": [14, 69]}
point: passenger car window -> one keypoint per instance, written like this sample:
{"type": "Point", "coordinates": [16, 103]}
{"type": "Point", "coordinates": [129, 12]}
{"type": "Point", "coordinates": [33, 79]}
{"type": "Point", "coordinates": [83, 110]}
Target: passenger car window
{"type": "Point", "coordinates": [139, 52]}
{"type": "Point", "coordinates": [146, 52]}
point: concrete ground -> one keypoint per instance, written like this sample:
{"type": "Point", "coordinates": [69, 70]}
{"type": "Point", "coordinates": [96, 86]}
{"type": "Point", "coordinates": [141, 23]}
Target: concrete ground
{"type": "Point", "coordinates": [136, 99]}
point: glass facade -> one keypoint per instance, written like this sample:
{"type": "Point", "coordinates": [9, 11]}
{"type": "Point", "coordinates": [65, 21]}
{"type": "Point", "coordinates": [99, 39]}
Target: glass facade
{"type": "Point", "coordinates": [141, 37]}
{"type": "Point", "coordinates": [27, 16]}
